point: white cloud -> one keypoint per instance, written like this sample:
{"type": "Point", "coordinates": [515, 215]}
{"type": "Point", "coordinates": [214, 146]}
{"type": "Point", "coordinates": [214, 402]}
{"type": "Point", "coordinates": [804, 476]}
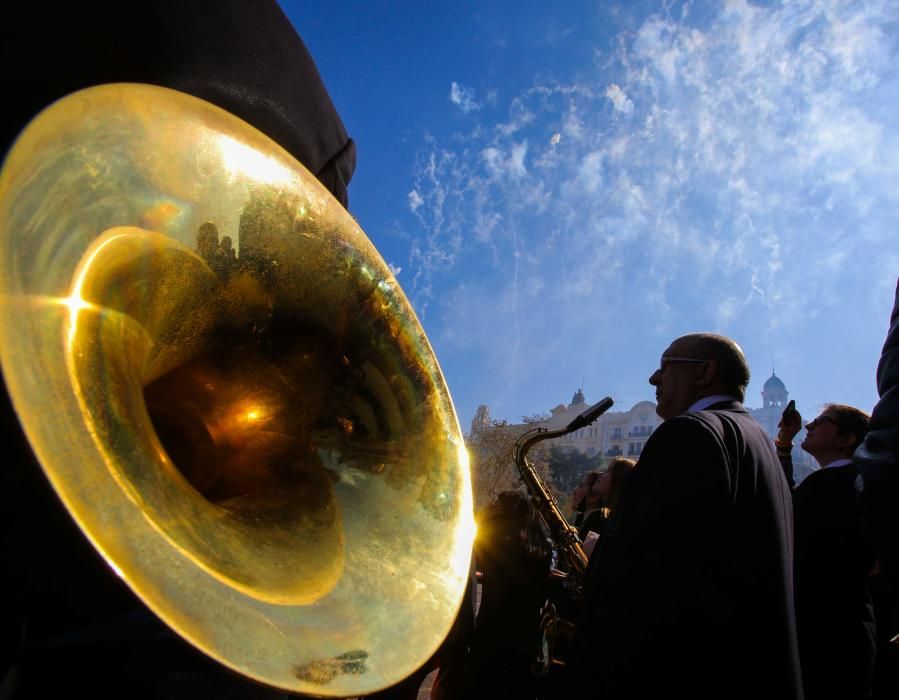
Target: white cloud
{"type": "Point", "coordinates": [590, 172]}
{"type": "Point", "coordinates": [728, 310]}
{"type": "Point", "coordinates": [494, 160]}
{"type": "Point", "coordinates": [516, 159]}
{"type": "Point", "coordinates": [415, 200]}
{"type": "Point", "coordinates": [755, 173]}
{"type": "Point", "coordinates": [509, 163]}
{"type": "Point", "coordinates": [620, 101]}
{"type": "Point", "coordinates": [463, 97]}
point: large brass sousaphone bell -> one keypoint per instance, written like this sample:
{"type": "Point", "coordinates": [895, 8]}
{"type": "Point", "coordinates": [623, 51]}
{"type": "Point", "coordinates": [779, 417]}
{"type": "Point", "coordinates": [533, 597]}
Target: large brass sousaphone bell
{"type": "Point", "coordinates": [229, 392]}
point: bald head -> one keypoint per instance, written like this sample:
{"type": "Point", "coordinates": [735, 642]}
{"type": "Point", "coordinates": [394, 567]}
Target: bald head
{"type": "Point", "coordinates": [695, 366]}
{"type": "Point", "coordinates": [732, 374]}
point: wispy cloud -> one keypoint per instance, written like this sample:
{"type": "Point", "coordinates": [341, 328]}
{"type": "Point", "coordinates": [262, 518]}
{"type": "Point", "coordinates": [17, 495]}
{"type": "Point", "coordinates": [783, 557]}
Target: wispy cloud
{"type": "Point", "coordinates": [723, 172]}
{"type": "Point", "coordinates": [621, 101]}
{"type": "Point", "coordinates": [463, 97]}
{"type": "Point", "coordinates": [415, 201]}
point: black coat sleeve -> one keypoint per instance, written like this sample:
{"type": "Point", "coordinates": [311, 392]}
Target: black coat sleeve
{"type": "Point", "coordinates": [244, 57]}
{"type": "Point", "coordinates": [877, 461]}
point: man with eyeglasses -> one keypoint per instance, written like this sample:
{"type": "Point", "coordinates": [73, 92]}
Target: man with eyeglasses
{"type": "Point", "coordinates": [690, 590]}
{"type": "Point", "coordinates": [834, 558]}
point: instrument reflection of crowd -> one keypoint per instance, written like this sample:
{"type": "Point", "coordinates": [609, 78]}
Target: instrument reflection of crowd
{"type": "Point", "coordinates": [218, 253]}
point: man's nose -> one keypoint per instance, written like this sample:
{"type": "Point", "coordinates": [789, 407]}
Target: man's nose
{"type": "Point", "coordinates": [654, 377]}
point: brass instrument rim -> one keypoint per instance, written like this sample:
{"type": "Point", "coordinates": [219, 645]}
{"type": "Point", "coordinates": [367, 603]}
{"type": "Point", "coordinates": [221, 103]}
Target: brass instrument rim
{"type": "Point", "coordinates": [37, 311]}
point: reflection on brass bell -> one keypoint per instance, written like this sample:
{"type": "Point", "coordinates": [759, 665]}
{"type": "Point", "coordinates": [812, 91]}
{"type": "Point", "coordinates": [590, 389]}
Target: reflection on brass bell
{"type": "Point", "coordinates": [248, 421]}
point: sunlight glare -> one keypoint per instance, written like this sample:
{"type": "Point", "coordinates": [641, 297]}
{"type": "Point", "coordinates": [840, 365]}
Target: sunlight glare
{"type": "Point", "coordinates": [238, 157]}
{"type": "Point", "coordinates": [466, 528]}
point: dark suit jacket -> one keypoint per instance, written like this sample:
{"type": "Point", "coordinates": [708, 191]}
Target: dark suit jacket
{"type": "Point", "coordinates": [593, 520]}
{"type": "Point", "coordinates": [244, 57]}
{"type": "Point", "coordinates": [691, 590]}
{"type": "Point", "coordinates": [877, 460]}
{"type": "Point", "coordinates": [834, 611]}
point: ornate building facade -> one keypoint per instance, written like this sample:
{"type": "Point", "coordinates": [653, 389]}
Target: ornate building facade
{"type": "Point", "coordinates": [623, 433]}
{"type": "Point", "coordinates": [614, 434]}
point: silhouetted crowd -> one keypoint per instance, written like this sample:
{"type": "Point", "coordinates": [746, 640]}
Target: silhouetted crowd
{"type": "Point", "coordinates": [711, 573]}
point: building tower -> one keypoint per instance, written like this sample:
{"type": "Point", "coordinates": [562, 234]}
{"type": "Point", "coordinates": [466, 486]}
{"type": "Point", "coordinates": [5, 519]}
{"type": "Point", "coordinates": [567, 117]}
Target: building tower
{"type": "Point", "coordinates": [481, 419]}
{"type": "Point", "coordinates": [578, 398]}
{"type": "Point", "coordinates": [774, 400]}
{"type": "Point", "coordinates": [774, 393]}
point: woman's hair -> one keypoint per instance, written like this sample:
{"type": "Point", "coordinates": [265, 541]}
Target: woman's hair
{"type": "Point", "coordinates": [591, 477]}
{"type": "Point", "coordinates": [619, 468]}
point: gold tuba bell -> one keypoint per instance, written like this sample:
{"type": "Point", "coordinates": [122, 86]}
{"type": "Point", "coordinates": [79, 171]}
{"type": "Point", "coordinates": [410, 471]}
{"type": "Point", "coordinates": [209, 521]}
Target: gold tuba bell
{"type": "Point", "coordinates": [230, 393]}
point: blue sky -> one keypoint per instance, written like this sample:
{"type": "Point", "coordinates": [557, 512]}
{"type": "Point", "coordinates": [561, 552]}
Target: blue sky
{"type": "Point", "coordinates": [564, 188]}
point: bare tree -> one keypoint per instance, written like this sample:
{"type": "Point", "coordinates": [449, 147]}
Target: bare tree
{"type": "Point", "coordinates": [535, 418]}
{"type": "Point", "coordinates": [492, 467]}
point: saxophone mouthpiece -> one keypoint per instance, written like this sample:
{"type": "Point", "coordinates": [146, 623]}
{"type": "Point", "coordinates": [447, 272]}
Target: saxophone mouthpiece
{"type": "Point", "coordinates": [590, 415]}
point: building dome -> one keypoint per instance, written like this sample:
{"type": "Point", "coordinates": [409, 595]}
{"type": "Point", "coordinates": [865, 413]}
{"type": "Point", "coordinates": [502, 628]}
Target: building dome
{"type": "Point", "coordinates": [774, 393]}
{"type": "Point", "coordinates": [774, 384]}
{"type": "Point", "coordinates": [578, 398]}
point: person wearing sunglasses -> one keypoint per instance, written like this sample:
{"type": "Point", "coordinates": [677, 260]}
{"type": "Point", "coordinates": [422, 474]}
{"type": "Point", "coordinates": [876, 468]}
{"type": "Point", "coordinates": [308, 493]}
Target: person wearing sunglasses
{"type": "Point", "coordinates": [834, 559]}
{"type": "Point", "coordinates": [831, 438]}
{"type": "Point", "coordinates": [690, 590]}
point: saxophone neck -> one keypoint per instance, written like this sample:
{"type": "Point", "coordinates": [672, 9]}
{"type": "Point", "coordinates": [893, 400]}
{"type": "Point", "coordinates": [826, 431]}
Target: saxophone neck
{"type": "Point", "coordinates": [535, 435]}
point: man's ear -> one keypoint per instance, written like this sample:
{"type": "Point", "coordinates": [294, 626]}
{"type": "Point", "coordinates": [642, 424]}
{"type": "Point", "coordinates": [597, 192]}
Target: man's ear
{"type": "Point", "coordinates": [708, 373]}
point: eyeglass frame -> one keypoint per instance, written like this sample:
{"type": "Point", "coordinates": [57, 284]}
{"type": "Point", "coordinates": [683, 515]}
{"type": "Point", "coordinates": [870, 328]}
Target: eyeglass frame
{"type": "Point", "coordinates": [821, 419]}
{"type": "Point", "coordinates": [682, 360]}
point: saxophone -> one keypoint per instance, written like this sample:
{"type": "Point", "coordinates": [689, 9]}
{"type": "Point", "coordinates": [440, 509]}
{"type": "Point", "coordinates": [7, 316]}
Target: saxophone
{"type": "Point", "coordinates": [562, 533]}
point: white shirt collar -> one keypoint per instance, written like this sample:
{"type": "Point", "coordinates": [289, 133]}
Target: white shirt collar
{"type": "Point", "coordinates": [707, 401]}
{"type": "Point", "coordinates": [838, 463]}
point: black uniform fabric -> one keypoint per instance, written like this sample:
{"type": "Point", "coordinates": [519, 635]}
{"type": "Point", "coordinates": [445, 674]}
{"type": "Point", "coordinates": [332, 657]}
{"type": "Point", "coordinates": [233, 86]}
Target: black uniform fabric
{"type": "Point", "coordinates": [834, 611]}
{"type": "Point", "coordinates": [877, 461]}
{"type": "Point", "coordinates": [690, 593]}
{"type": "Point", "coordinates": [242, 55]}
